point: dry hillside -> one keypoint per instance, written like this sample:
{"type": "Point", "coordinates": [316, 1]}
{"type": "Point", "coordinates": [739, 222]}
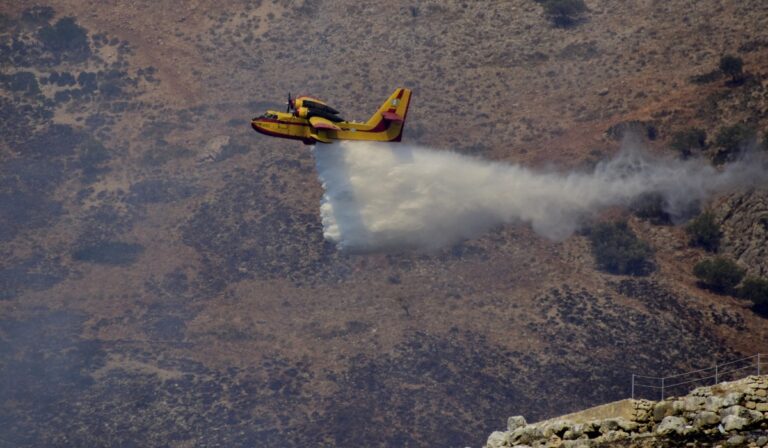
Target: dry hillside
{"type": "Point", "coordinates": [163, 275]}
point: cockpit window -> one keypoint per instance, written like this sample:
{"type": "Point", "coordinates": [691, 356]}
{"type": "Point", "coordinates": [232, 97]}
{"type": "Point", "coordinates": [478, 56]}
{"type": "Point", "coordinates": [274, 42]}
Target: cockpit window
{"type": "Point", "coordinates": [267, 115]}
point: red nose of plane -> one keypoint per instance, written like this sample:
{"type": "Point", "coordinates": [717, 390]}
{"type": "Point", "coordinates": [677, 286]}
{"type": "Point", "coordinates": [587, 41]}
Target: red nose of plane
{"type": "Point", "coordinates": [257, 126]}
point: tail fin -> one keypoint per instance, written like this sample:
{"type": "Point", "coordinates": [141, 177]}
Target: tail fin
{"type": "Point", "coordinates": [393, 113]}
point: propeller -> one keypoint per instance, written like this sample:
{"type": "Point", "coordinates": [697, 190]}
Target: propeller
{"type": "Point", "coordinates": [290, 103]}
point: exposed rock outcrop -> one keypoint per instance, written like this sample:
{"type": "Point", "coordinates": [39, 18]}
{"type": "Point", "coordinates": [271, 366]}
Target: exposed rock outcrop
{"type": "Point", "coordinates": [744, 221]}
{"type": "Point", "coordinates": [729, 414]}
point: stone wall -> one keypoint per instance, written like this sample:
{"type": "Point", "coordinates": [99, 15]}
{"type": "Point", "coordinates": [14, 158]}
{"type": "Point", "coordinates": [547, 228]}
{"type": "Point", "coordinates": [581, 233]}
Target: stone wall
{"type": "Point", "coordinates": [726, 414]}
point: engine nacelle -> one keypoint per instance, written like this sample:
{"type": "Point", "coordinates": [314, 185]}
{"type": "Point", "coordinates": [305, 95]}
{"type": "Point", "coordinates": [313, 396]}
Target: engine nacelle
{"type": "Point", "coordinates": [315, 105]}
{"type": "Point", "coordinates": [309, 112]}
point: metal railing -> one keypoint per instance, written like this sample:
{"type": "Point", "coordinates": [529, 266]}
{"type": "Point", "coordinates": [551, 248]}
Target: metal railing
{"type": "Point", "coordinates": [710, 375]}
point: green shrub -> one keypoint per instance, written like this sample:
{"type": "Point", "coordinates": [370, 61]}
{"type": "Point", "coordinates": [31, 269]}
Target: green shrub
{"type": "Point", "coordinates": [688, 141]}
{"type": "Point", "coordinates": [732, 66]}
{"type": "Point", "coordinates": [755, 289]}
{"type": "Point", "coordinates": [704, 231]}
{"type": "Point", "coordinates": [730, 140]}
{"type": "Point", "coordinates": [564, 13]}
{"type": "Point", "coordinates": [618, 250]}
{"type": "Point", "coordinates": [719, 274]}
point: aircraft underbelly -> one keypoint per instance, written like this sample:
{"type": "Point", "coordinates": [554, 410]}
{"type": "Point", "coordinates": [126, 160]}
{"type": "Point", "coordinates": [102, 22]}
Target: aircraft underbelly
{"type": "Point", "coordinates": [365, 135]}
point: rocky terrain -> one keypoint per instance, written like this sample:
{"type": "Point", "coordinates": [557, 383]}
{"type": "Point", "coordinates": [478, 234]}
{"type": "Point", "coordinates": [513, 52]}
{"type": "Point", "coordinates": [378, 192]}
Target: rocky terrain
{"type": "Point", "coordinates": [727, 414]}
{"type": "Point", "coordinates": [744, 219]}
{"type": "Point", "coordinates": [163, 275]}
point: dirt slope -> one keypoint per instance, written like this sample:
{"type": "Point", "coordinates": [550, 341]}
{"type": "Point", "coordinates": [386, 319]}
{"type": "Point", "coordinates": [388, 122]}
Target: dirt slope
{"type": "Point", "coordinates": [164, 280]}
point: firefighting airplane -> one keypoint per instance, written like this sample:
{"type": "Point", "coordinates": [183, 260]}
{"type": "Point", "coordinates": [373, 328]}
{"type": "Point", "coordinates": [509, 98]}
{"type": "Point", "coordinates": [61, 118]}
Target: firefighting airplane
{"type": "Point", "coordinates": [311, 121]}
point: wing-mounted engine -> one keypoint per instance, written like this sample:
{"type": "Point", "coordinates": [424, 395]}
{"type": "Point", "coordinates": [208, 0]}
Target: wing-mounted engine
{"type": "Point", "coordinates": [307, 107]}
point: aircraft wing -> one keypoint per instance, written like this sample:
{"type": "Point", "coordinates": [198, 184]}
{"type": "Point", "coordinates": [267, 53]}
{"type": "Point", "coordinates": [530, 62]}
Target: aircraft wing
{"type": "Point", "coordinates": [322, 123]}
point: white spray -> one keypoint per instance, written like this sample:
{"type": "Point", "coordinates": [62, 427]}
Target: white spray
{"type": "Point", "coordinates": [384, 197]}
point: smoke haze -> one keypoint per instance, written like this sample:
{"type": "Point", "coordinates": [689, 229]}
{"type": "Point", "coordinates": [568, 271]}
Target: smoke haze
{"type": "Point", "coordinates": [384, 197]}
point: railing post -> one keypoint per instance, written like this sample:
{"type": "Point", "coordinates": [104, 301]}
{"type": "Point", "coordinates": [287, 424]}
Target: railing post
{"type": "Point", "coordinates": [633, 384]}
{"type": "Point", "coordinates": [662, 389]}
{"type": "Point", "coordinates": [715, 373]}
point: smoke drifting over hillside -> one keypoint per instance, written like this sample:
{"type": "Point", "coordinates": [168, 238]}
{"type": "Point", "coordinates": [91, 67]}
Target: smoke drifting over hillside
{"type": "Point", "coordinates": [381, 197]}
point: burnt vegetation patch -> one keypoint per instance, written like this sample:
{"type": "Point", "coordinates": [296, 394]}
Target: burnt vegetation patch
{"type": "Point", "coordinates": [31, 176]}
{"type": "Point", "coordinates": [56, 140]}
{"type": "Point", "coordinates": [38, 272]}
{"type": "Point", "coordinates": [71, 72]}
{"type": "Point", "coordinates": [21, 83]}
{"type": "Point", "coordinates": [41, 42]}
{"type": "Point", "coordinates": [65, 39]}
{"type": "Point", "coordinates": [27, 184]}
{"type": "Point", "coordinates": [249, 231]}
{"type": "Point", "coordinates": [109, 252]}
{"type": "Point", "coordinates": [161, 191]}
{"type": "Point", "coordinates": [447, 389]}
{"type": "Point", "coordinates": [231, 149]}
{"type": "Point", "coordinates": [92, 159]}
{"type": "Point", "coordinates": [658, 332]}
{"type": "Point", "coordinates": [104, 222]}
{"type": "Point", "coordinates": [19, 119]}
{"type": "Point", "coordinates": [57, 68]}
{"type": "Point", "coordinates": [431, 390]}
{"type": "Point", "coordinates": [24, 207]}
{"type": "Point", "coordinates": [45, 154]}
{"type": "Point", "coordinates": [45, 366]}
{"type": "Point", "coordinates": [407, 397]}
{"type": "Point", "coordinates": [260, 406]}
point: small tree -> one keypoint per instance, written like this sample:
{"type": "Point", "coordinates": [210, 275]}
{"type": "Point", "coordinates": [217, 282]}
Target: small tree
{"type": "Point", "coordinates": [618, 250]}
{"type": "Point", "coordinates": [732, 66]}
{"type": "Point", "coordinates": [689, 140]}
{"type": "Point", "coordinates": [703, 231]}
{"type": "Point", "coordinates": [719, 274]}
{"type": "Point", "coordinates": [564, 13]}
{"type": "Point", "coordinates": [730, 140]}
{"type": "Point", "coordinates": [755, 289]}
